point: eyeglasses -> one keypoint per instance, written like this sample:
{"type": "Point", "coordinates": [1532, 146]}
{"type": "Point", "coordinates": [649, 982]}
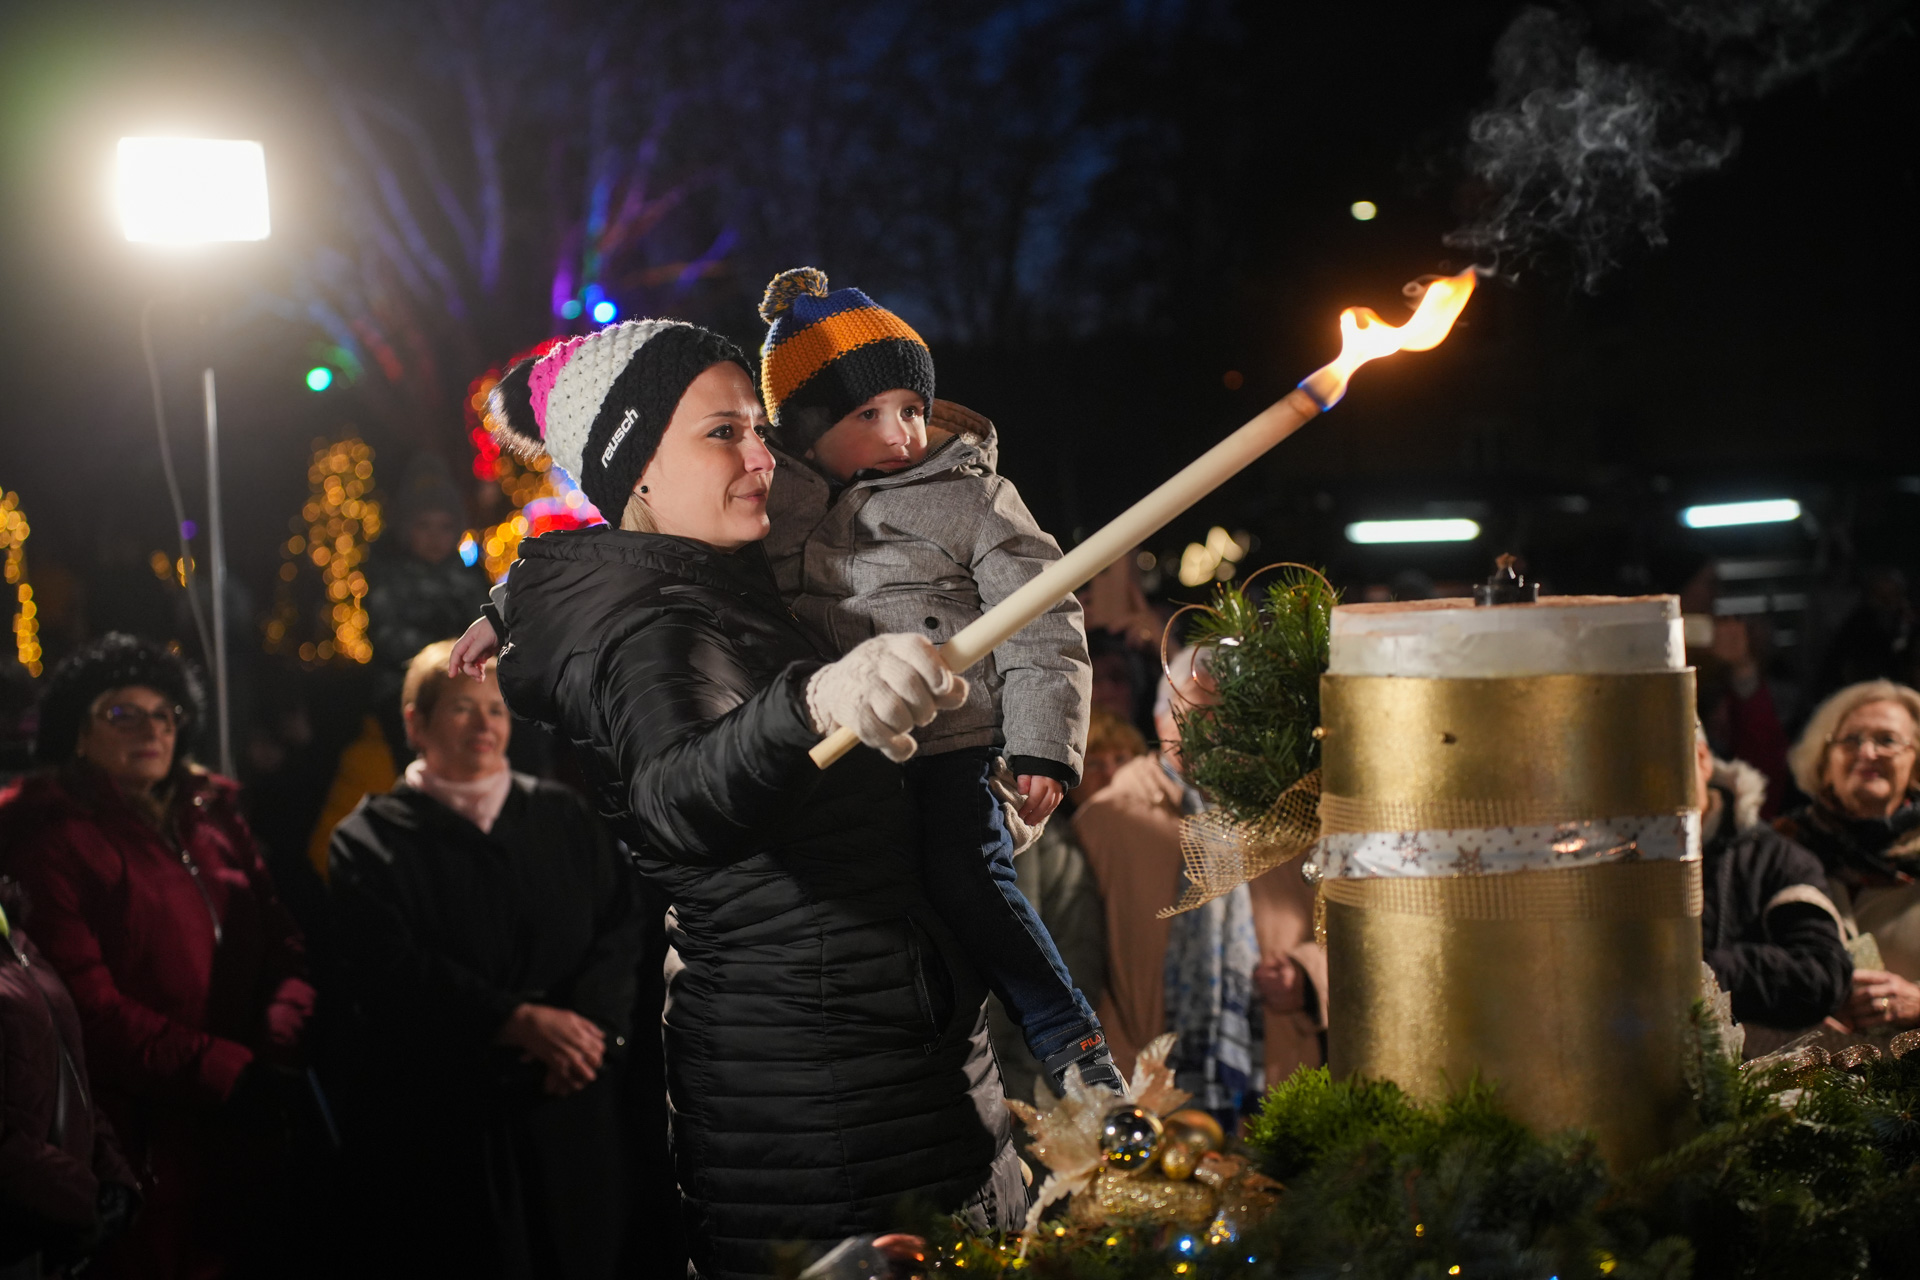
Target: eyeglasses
{"type": "Point", "coordinates": [1883, 744]}
{"type": "Point", "coordinates": [128, 718]}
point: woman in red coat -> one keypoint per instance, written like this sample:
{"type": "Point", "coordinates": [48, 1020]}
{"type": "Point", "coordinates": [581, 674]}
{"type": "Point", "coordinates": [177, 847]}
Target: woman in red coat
{"type": "Point", "coordinates": [152, 902]}
{"type": "Point", "coordinates": [64, 1187]}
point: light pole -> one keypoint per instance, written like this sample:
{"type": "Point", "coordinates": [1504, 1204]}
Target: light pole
{"type": "Point", "coordinates": [192, 191]}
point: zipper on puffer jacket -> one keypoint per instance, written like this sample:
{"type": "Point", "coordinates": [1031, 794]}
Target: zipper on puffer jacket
{"type": "Point", "coordinates": [186, 860]}
{"type": "Point", "coordinates": [916, 953]}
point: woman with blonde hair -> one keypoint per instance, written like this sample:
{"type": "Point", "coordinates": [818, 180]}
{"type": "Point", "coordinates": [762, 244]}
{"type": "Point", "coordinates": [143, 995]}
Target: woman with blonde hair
{"type": "Point", "coordinates": [1856, 760]}
{"type": "Point", "coordinates": [489, 939]}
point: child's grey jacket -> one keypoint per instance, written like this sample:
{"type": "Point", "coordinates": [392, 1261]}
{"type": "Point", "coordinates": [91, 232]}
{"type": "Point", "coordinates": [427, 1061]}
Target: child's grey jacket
{"type": "Point", "coordinates": [928, 550]}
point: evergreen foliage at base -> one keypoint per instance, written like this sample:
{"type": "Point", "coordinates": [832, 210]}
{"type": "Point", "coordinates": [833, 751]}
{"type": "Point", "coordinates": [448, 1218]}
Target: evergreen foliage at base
{"type": "Point", "coordinates": [1810, 1174]}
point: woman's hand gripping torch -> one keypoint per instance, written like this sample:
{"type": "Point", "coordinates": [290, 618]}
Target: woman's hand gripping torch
{"type": "Point", "coordinates": [1364, 336]}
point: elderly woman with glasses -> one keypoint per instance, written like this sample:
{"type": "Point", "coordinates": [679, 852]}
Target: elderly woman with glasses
{"type": "Point", "coordinates": [152, 903]}
{"type": "Point", "coordinates": [1856, 759]}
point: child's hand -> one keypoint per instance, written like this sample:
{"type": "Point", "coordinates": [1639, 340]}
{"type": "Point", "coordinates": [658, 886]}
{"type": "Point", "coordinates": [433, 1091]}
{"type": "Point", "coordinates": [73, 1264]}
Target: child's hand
{"type": "Point", "coordinates": [471, 651]}
{"type": "Point", "coordinates": [1042, 797]}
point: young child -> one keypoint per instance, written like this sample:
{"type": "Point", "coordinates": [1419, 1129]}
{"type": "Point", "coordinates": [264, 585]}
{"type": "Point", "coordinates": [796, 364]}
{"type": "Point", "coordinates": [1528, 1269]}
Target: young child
{"type": "Point", "coordinates": [888, 516]}
{"type": "Point", "coordinates": [882, 522]}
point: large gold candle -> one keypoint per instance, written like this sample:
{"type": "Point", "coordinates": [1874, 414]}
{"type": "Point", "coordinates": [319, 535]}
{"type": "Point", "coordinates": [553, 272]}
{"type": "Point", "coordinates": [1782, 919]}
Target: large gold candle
{"type": "Point", "coordinates": [1510, 857]}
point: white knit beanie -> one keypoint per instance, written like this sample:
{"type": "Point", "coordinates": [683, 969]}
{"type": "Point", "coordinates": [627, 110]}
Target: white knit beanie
{"type": "Point", "coordinates": [598, 404]}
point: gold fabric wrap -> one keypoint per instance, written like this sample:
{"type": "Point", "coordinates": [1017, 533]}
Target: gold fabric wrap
{"type": "Point", "coordinates": [1570, 989]}
{"type": "Point", "coordinates": [1410, 754]}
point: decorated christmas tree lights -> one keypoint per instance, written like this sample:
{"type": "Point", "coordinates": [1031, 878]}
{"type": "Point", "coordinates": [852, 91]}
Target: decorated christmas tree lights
{"type": "Point", "coordinates": [341, 518]}
{"type": "Point", "coordinates": [14, 530]}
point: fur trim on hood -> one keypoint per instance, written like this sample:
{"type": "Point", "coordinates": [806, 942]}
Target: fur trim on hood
{"type": "Point", "coordinates": [1746, 784]}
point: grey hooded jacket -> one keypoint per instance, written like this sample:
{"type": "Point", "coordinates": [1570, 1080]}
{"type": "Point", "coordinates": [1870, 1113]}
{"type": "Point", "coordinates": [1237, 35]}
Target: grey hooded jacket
{"type": "Point", "coordinates": [927, 550]}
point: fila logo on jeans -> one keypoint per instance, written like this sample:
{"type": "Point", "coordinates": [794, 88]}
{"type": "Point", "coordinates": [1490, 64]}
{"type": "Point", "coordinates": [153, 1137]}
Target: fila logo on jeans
{"type": "Point", "coordinates": [626, 424]}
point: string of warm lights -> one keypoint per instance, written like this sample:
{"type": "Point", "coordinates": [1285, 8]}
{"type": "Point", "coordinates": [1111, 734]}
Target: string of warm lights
{"type": "Point", "coordinates": [333, 530]}
{"type": "Point", "coordinates": [26, 619]}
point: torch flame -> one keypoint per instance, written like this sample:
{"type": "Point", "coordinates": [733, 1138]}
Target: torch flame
{"type": "Point", "coordinates": [1365, 336]}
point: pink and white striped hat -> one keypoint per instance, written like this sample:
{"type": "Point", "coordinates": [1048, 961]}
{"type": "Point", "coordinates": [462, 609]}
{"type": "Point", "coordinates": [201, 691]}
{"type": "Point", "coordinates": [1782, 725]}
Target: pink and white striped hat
{"type": "Point", "coordinates": [598, 404]}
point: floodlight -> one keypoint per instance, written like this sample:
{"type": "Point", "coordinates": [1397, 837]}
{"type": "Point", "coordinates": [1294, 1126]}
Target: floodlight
{"type": "Point", "coordinates": [1719, 515]}
{"type": "Point", "coordinates": [1369, 532]}
{"type": "Point", "coordinates": [181, 191]}
{"type": "Point", "coordinates": [192, 190]}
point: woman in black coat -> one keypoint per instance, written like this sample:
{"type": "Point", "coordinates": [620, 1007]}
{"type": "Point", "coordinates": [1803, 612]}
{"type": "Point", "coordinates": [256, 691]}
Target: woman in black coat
{"type": "Point", "coordinates": [488, 938]}
{"type": "Point", "coordinates": [827, 1053]}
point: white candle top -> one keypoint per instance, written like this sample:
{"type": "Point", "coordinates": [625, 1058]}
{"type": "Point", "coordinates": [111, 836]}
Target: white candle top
{"type": "Point", "coordinates": [1575, 635]}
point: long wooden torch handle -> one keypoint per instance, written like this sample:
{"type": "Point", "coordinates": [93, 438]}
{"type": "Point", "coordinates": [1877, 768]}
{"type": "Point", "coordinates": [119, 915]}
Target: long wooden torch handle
{"type": "Point", "coordinates": [1125, 532]}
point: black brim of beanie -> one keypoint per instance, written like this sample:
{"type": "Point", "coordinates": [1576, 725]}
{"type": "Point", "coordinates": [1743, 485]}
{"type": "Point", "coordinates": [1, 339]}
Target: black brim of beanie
{"type": "Point", "coordinates": [848, 381]}
{"type": "Point", "coordinates": [618, 449]}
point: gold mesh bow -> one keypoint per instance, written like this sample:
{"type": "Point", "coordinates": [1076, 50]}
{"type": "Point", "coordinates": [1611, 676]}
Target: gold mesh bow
{"type": "Point", "coordinates": [1222, 852]}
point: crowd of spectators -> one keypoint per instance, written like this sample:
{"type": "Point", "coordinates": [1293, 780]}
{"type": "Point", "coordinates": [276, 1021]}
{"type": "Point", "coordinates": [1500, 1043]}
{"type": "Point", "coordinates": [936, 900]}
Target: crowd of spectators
{"type": "Point", "coordinates": [447, 1060]}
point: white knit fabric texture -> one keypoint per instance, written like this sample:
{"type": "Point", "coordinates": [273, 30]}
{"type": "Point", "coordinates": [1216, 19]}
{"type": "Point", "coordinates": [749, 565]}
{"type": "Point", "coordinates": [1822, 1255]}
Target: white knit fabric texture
{"type": "Point", "coordinates": [582, 387]}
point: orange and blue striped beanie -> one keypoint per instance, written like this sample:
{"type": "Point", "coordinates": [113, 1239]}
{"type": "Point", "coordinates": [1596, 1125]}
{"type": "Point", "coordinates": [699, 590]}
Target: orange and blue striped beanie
{"type": "Point", "coordinates": [827, 353]}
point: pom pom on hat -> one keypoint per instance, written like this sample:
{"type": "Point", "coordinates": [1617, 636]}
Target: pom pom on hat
{"type": "Point", "coordinates": [828, 352]}
{"type": "Point", "coordinates": [783, 289]}
{"type": "Point", "coordinates": [510, 415]}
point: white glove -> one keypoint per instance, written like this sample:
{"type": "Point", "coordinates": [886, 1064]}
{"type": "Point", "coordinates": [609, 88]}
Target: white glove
{"type": "Point", "coordinates": [882, 690]}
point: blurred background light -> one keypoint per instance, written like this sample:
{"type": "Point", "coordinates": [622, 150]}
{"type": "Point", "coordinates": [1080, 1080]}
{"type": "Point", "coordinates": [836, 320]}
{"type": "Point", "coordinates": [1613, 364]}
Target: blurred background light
{"type": "Point", "coordinates": [1718, 515]}
{"type": "Point", "coordinates": [1369, 532]}
{"type": "Point", "coordinates": [192, 190]}
{"type": "Point", "coordinates": [1214, 559]}
{"type": "Point", "coordinates": [319, 378]}
{"type": "Point", "coordinates": [570, 309]}
{"type": "Point", "coordinates": [604, 311]}
{"type": "Point", "coordinates": [1364, 210]}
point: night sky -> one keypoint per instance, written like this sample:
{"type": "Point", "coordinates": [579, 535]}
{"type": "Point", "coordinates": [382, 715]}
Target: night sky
{"type": "Point", "coordinates": [1124, 228]}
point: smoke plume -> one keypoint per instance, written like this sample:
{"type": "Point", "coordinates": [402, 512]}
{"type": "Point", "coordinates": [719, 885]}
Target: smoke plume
{"type": "Point", "coordinates": [1576, 158]}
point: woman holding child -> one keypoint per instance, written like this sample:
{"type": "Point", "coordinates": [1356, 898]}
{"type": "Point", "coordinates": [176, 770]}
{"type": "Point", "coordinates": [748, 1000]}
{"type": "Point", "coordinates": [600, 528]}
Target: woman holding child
{"type": "Point", "coordinates": [826, 1042]}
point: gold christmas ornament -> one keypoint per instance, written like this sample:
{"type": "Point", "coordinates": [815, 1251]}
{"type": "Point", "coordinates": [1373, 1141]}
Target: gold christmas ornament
{"type": "Point", "coordinates": [1140, 1161]}
{"type": "Point", "coordinates": [1190, 1136]}
{"type": "Point", "coordinates": [1195, 1120]}
{"type": "Point", "coordinates": [1067, 1134]}
{"type": "Point", "coordinates": [1129, 1138]}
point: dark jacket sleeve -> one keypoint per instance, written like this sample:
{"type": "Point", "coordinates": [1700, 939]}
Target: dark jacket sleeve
{"type": "Point", "coordinates": [707, 774]}
{"type": "Point", "coordinates": [402, 982]}
{"type": "Point", "coordinates": [1786, 966]}
{"type": "Point", "coordinates": [39, 1183]}
{"type": "Point", "coordinates": [603, 989]}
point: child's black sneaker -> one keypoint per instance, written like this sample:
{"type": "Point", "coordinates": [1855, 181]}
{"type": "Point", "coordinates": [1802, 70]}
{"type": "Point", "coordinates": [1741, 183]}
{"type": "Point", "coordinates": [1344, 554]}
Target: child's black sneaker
{"type": "Point", "coordinates": [1090, 1054]}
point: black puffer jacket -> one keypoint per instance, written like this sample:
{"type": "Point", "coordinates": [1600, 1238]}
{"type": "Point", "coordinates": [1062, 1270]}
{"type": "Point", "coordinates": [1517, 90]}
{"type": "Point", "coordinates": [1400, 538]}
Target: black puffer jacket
{"type": "Point", "coordinates": [826, 1044]}
{"type": "Point", "coordinates": [1770, 933]}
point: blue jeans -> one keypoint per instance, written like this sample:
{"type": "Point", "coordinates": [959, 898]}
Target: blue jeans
{"type": "Point", "coordinates": [967, 864]}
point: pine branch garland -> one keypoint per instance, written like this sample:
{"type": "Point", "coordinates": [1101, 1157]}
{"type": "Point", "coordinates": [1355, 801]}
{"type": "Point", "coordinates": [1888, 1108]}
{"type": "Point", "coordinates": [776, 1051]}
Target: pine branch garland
{"type": "Point", "coordinates": [1801, 1172]}
{"type": "Point", "coordinates": [1265, 652]}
